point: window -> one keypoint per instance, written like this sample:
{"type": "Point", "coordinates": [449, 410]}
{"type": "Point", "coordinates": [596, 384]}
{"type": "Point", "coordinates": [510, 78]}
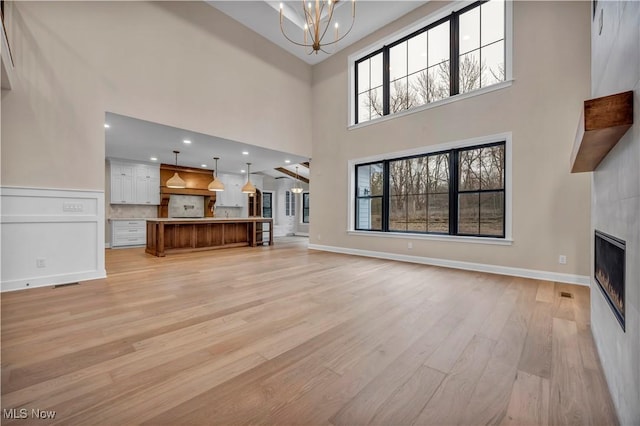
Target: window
{"type": "Point", "coordinates": [370, 181]}
{"type": "Point", "coordinates": [290, 204]}
{"type": "Point", "coordinates": [267, 209]}
{"type": "Point", "coordinates": [457, 54]}
{"type": "Point", "coordinates": [305, 207]}
{"type": "Point", "coordinates": [460, 191]}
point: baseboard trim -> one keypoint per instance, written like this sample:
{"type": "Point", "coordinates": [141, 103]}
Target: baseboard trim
{"type": "Point", "coordinates": [455, 264]}
{"type": "Point", "coordinates": [49, 281]}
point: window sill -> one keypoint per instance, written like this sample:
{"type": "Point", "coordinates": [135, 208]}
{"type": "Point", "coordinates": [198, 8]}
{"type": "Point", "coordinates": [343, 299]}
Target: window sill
{"type": "Point", "coordinates": [442, 102]}
{"type": "Point", "coordinates": [433, 237]}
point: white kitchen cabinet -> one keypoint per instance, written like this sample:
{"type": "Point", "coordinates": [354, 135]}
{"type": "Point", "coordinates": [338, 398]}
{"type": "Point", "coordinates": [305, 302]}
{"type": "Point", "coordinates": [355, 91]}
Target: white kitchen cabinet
{"type": "Point", "coordinates": [133, 183]}
{"type": "Point", "coordinates": [232, 195]}
{"type": "Point", "coordinates": [147, 184]}
{"type": "Point", "coordinates": [128, 232]}
{"type": "Point", "coordinates": [122, 183]}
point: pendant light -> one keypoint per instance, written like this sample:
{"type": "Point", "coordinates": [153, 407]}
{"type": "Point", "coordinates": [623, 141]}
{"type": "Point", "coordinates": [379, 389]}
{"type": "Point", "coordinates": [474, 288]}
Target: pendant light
{"type": "Point", "coordinates": [248, 187]}
{"type": "Point", "coordinates": [176, 181]}
{"type": "Point", "coordinates": [215, 184]}
{"type": "Point", "coordinates": [297, 189]}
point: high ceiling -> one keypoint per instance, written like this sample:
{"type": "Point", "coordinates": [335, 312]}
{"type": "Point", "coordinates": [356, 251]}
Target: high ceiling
{"type": "Point", "coordinates": [139, 140]}
{"type": "Point", "coordinates": [263, 17]}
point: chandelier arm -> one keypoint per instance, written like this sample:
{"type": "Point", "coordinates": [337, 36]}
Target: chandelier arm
{"type": "Point", "coordinates": [343, 36]}
{"type": "Point", "coordinates": [309, 21]}
{"type": "Point", "coordinates": [292, 41]}
{"type": "Point", "coordinates": [328, 22]}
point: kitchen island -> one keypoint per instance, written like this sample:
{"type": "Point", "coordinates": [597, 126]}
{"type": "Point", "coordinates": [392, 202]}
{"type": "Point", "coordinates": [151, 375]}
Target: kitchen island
{"type": "Point", "coordinates": [180, 235]}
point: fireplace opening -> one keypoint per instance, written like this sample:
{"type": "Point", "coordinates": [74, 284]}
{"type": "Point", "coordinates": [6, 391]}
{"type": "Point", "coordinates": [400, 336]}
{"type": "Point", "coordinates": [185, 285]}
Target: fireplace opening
{"type": "Point", "coordinates": [609, 272]}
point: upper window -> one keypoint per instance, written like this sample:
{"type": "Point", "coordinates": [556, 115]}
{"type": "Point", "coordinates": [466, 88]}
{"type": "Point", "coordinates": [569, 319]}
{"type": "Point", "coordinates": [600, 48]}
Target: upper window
{"type": "Point", "coordinates": [459, 53]}
{"type": "Point", "coordinates": [456, 192]}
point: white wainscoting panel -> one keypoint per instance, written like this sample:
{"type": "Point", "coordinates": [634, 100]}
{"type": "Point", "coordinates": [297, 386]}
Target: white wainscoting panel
{"type": "Point", "coordinates": [50, 236]}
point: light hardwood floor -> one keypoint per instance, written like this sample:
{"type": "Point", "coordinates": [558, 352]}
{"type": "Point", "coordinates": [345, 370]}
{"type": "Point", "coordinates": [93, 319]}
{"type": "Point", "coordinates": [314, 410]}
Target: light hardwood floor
{"type": "Point", "coordinates": [284, 335]}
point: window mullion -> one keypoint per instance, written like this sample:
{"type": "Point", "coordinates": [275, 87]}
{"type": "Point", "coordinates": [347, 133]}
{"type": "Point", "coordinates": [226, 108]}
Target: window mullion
{"type": "Point", "coordinates": [453, 192]}
{"type": "Point", "coordinates": [385, 81]}
{"type": "Point", "coordinates": [454, 54]}
{"type": "Point", "coordinates": [385, 197]}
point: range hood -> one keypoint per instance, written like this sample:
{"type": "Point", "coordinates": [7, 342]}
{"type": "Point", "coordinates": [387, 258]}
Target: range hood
{"type": "Point", "coordinates": [197, 183]}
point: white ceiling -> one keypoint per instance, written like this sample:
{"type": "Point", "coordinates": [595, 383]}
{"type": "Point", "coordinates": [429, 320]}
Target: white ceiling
{"type": "Point", "coordinates": [138, 140]}
{"type": "Point", "coordinates": [263, 17]}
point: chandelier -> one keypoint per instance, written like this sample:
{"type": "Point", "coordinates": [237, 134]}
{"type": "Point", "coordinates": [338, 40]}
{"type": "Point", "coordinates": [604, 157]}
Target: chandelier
{"type": "Point", "coordinates": [297, 189]}
{"type": "Point", "coordinates": [317, 20]}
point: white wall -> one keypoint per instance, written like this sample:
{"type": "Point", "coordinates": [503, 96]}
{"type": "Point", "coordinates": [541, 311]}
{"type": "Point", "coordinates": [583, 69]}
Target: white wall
{"type": "Point", "coordinates": [616, 203]}
{"type": "Point", "coordinates": [51, 237]}
{"type": "Point", "coordinates": [551, 214]}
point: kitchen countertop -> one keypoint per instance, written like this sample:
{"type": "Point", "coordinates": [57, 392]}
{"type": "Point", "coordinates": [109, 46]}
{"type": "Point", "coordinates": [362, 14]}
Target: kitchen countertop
{"type": "Point", "coordinates": [115, 219]}
{"type": "Point", "coordinates": [206, 219]}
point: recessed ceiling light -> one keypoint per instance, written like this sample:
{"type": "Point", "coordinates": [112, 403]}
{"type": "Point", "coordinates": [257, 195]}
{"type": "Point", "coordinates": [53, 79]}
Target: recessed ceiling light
{"type": "Point", "coordinates": [203, 165]}
{"type": "Point", "coordinates": [242, 171]}
{"type": "Point", "coordinates": [187, 141]}
{"type": "Point", "coordinates": [245, 152]}
{"type": "Point", "coordinates": [153, 158]}
{"type": "Point", "coordinates": [287, 161]}
{"type": "Point", "coordinates": [106, 126]}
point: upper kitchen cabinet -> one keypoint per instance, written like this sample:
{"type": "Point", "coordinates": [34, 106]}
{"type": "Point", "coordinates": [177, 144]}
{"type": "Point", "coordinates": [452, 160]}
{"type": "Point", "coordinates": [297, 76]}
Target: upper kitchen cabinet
{"type": "Point", "coordinates": [134, 183]}
{"type": "Point", "coordinates": [147, 184]}
{"type": "Point", "coordinates": [232, 195]}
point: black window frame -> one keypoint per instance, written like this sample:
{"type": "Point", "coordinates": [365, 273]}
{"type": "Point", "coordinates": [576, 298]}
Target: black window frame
{"type": "Point", "coordinates": [267, 194]}
{"type": "Point", "coordinates": [454, 58]}
{"type": "Point", "coordinates": [383, 197]}
{"type": "Point", "coordinates": [454, 192]}
{"type": "Point", "coordinates": [305, 207]}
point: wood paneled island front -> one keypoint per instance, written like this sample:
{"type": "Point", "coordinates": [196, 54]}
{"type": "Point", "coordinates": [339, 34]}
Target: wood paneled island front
{"type": "Point", "coordinates": [165, 236]}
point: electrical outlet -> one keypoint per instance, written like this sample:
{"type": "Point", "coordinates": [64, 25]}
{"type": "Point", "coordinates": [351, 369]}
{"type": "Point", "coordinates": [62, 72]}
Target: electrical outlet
{"type": "Point", "coordinates": [409, 245]}
{"type": "Point", "coordinates": [41, 262]}
{"type": "Point", "coordinates": [562, 259]}
{"type": "Point", "coordinates": [319, 236]}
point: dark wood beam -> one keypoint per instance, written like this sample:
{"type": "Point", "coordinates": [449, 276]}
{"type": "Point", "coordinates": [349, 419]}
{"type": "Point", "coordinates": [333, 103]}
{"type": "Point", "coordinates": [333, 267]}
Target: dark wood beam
{"type": "Point", "coordinates": [292, 174]}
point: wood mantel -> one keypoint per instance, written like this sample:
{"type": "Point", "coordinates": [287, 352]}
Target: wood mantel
{"type": "Point", "coordinates": [602, 123]}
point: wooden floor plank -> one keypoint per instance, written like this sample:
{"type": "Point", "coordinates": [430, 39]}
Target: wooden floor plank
{"type": "Point", "coordinates": [285, 335]}
{"type": "Point", "coordinates": [536, 357]}
{"type": "Point", "coordinates": [448, 404]}
{"type": "Point", "coordinates": [529, 403]}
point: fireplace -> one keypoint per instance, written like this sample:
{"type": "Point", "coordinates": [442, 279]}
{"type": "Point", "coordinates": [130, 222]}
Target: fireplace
{"type": "Point", "coordinates": [609, 271]}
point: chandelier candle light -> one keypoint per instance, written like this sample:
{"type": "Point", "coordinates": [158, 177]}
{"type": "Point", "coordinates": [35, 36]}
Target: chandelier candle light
{"type": "Point", "coordinates": [317, 21]}
{"type": "Point", "coordinates": [176, 181]}
{"type": "Point", "coordinates": [297, 189]}
{"type": "Point", "coordinates": [215, 184]}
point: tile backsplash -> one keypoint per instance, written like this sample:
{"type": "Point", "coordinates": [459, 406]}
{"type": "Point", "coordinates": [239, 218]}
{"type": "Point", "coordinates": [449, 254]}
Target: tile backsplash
{"type": "Point", "coordinates": [129, 211]}
{"type": "Point", "coordinates": [186, 206]}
